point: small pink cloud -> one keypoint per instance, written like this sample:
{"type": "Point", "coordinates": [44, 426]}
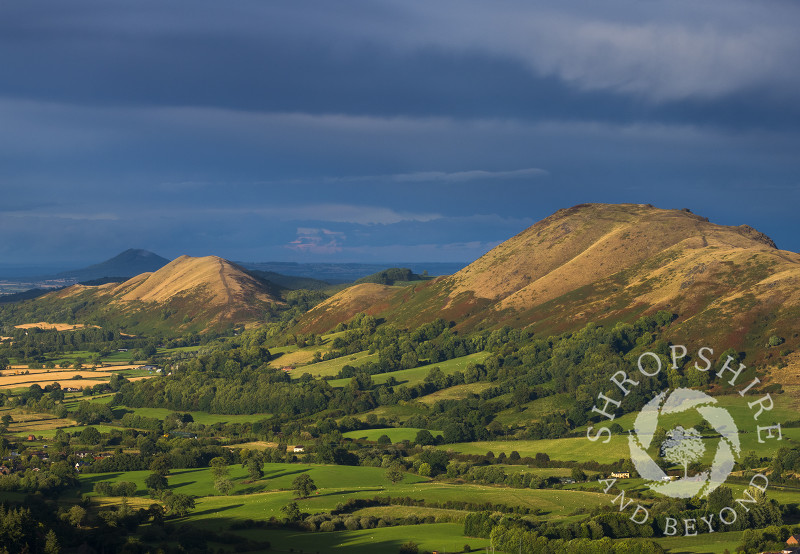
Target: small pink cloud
{"type": "Point", "coordinates": [317, 241]}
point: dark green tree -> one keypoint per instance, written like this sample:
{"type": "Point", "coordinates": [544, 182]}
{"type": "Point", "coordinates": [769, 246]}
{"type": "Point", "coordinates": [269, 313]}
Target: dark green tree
{"type": "Point", "coordinates": [395, 473]}
{"type": "Point", "coordinates": [156, 482]}
{"type": "Point", "coordinates": [254, 468]}
{"type": "Point", "coordinates": [303, 485]}
{"type": "Point", "coordinates": [90, 435]}
{"type": "Point", "coordinates": [424, 438]}
{"type": "Point", "coordinates": [292, 512]}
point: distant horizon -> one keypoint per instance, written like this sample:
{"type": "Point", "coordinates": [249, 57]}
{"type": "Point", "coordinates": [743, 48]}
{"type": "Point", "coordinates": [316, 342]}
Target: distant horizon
{"type": "Point", "coordinates": [784, 237]}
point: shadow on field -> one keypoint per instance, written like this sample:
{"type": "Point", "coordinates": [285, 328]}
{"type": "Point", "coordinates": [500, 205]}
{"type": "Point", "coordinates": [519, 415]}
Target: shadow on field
{"type": "Point", "coordinates": [338, 492]}
{"type": "Point", "coordinates": [179, 485]}
{"type": "Point", "coordinates": [283, 473]}
{"type": "Point", "coordinates": [119, 412]}
{"type": "Point", "coordinates": [216, 510]}
{"type": "Point", "coordinates": [88, 483]}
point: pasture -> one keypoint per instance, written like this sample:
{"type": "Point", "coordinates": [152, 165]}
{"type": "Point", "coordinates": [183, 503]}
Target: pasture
{"type": "Point", "coordinates": [395, 434]}
{"type": "Point", "coordinates": [329, 368]}
{"type": "Point", "coordinates": [199, 417]}
{"type": "Point", "coordinates": [417, 375]}
{"type": "Point", "coordinates": [577, 449]}
{"type": "Point", "coordinates": [443, 537]}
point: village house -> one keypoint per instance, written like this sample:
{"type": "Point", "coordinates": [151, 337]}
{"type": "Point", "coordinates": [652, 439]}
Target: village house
{"type": "Point", "coordinates": [620, 474]}
{"type": "Point", "coordinates": [295, 448]}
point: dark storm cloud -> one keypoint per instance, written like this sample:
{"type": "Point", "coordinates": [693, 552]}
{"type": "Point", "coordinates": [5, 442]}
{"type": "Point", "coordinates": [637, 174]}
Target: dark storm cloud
{"type": "Point", "coordinates": [629, 61]}
{"type": "Point", "coordinates": [260, 130]}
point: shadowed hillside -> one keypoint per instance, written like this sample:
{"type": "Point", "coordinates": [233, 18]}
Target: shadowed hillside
{"type": "Point", "coordinates": [600, 262]}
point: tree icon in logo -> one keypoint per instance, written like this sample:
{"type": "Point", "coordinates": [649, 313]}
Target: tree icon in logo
{"type": "Point", "coordinates": [684, 446]}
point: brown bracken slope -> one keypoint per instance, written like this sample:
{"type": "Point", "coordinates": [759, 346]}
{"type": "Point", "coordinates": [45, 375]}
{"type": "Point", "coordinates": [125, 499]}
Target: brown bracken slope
{"type": "Point", "coordinates": [727, 285]}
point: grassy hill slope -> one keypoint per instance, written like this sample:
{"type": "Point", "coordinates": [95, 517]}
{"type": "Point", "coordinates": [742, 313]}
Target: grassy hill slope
{"type": "Point", "coordinates": [730, 286]}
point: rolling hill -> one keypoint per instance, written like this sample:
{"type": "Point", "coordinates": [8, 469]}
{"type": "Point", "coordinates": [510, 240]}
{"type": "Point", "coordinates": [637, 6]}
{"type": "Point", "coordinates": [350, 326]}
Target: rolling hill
{"type": "Point", "coordinates": [187, 294]}
{"type": "Point", "coordinates": [605, 263]}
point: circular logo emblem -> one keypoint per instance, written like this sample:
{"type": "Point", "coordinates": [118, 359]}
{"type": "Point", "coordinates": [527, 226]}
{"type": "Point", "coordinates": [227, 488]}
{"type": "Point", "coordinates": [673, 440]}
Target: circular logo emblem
{"type": "Point", "coordinates": [684, 446]}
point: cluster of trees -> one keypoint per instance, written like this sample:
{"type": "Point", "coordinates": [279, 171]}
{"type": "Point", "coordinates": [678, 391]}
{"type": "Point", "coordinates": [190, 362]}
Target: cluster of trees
{"type": "Point", "coordinates": [390, 276]}
{"type": "Point", "coordinates": [608, 522]}
{"type": "Point", "coordinates": [509, 533]}
{"type": "Point", "coordinates": [51, 480]}
{"type": "Point", "coordinates": [35, 345]}
{"type": "Point", "coordinates": [772, 538]}
{"type": "Point", "coordinates": [398, 349]}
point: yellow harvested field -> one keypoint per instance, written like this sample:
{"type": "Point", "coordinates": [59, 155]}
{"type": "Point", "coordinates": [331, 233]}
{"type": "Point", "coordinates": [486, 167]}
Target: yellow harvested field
{"type": "Point", "coordinates": [254, 445]}
{"type": "Point", "coordinates": [47, 379]}
{"type": "Point", "coordinates": [299, 357]}
{"type": "Point", "coordinates": [34, 422]}
{"type": "Point", "coordinates": [454, 393]}
{"type": "Point", "coordinates": [79, 383]}
{"type": "Point", "coordinates": [55, 326]}
{"type": "Point", "coordinates": [100, 369]}
{"type": "Point", "coordinates": [60, 376]}
{"type": "Point", "coordinates": [115, 501]}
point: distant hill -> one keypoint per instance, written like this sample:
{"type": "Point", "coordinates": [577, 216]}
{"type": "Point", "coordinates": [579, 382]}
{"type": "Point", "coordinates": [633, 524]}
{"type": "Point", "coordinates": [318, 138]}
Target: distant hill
{"type": "Point", "coordinates": [390, 276]}
{"type": "Point", "coordinates": [338, 273]}
{"type": "Point", "coordinates": [129, 263]}
{"type": "Point", "coordinates": [729, 286]}
{"type": "Point", "coordinates": [292, 282]}
{"type": "Point", "coordinates": [187, 294]}
{"type": "Point", "coordinates": [25, 295]}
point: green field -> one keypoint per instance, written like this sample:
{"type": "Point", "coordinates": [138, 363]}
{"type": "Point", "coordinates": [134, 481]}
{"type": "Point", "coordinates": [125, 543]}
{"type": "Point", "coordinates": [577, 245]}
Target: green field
{"type": "Point", "coordinates": [443, 537]}
{"type": "Point", "coordinates": [578, 449]}
{"type": "Point", "coordinates": [702, 544]}
{"type": "Point", "coordinates": [333, 367]}
{"type": "Point", "coordinates": [396, 434]}
{"type": "Point", "coordinates": [581, 449]}
{"type": "Point", "coordinates": [536, 409]}
{"type": "Point", "coordinates": [199, 417]}
{"type": "Point", "coordinates": [455, 393]}
{"type": "Point", "coordinates": [265, 497]}
{"type": "Point", "coordinates": [418, 374]}
{"type": "Point", "coordinates": [555, 504]}
{"type": "Point", "coordinates": [50, 433]}
{"type": "Point", "coordinates": [737, 407]}
{"type": "Point", "coordinates": [277, 476]}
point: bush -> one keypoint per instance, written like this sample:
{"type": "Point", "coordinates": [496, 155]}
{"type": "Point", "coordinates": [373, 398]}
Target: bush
{"type": "Point", "coordinates": [409, 548]}
{"type": "Point", "coordinates": [775, 340]}
{"type": "Point", "coordinates": [103, 488]}
{"type": "Point", "coordinates": [327, 526]}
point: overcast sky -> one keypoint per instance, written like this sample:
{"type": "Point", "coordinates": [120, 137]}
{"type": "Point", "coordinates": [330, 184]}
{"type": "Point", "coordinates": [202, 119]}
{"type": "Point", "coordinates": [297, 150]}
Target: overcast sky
{"type": "Point", "coordinates": [410, 130]}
